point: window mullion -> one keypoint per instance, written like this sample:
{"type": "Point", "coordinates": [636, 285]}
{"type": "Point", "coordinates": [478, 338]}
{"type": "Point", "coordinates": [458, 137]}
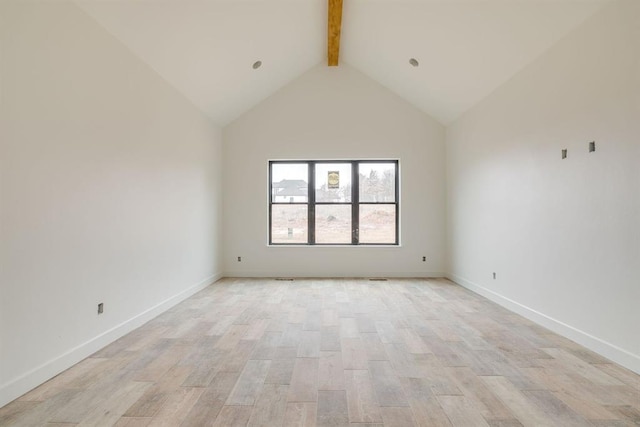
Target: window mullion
{"type": "Point", "coordinates": [311, 199]}
{"type": "Point", "coordinates": [355, 207]}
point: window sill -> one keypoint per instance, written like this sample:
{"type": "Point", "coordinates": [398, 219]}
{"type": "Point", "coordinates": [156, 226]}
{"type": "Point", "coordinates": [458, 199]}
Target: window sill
{"type": "Point", "coordinates": [334, 246]}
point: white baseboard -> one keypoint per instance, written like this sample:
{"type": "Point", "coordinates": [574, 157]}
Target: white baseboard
{"type": "Point", "coordinates": [329, 275]}
{"type": "Point", "coordinates": [610, 351]}
{"type": "Point", "coordinates": [29, 380]}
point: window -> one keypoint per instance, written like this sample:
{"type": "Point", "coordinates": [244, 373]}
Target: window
{"type": "Point", "coordinates": [342, 202]}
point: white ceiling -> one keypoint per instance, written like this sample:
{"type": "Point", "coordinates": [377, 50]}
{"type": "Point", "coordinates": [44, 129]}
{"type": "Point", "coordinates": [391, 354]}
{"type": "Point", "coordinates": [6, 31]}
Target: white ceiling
{"type": "Point", "coordinates": [466, 48]}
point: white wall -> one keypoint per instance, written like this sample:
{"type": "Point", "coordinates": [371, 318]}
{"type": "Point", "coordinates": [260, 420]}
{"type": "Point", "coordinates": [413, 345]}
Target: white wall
{"type": "Point", "coordinates": [563, 236]}
{"type": "Point", "coordinates": [110, 192]}
{"type": "Point", "coordinates": [334, 113]}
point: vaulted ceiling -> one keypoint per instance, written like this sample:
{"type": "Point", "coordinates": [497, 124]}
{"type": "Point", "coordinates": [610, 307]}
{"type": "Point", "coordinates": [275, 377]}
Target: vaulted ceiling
{"type": "Point", "coordinates": [465, 48]}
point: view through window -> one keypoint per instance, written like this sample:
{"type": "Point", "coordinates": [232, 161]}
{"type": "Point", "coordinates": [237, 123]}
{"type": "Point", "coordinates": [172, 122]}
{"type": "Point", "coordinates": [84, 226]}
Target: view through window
{"type": "Point", "coordinates": [346, 202]}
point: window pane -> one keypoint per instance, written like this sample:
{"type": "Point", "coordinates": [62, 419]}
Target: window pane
{"type": "Point", "coordinates": [377, 224]}
{"type": "Point", "coordinates": [333, 223]}
{"type": "Point", "coordinates": [333, 182]}
{"type": "Point", "coordinates": [377, 182]}
{"type": "Point", "coordinates": [289, 223]}
{"type": "Point", "coordinates": [289, 182]}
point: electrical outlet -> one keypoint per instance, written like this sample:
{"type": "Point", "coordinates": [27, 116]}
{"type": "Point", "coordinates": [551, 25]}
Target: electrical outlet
{"type": "Point", "coordinates": [100, 308]}
{"type": "Point", "coordinates": [239, 259]}
{"type": "Point", "coordinates": [424, 259]}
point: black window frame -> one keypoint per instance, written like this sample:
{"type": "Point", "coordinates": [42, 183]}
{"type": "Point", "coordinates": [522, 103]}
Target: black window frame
{"type": "Point", "coordinates": [355, 201]}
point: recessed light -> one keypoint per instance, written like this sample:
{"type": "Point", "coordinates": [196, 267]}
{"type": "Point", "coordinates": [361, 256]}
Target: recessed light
{"type": "Point", "coordinates": [257, 65]}
{"type": "Point", "coordinates": [414, 62]}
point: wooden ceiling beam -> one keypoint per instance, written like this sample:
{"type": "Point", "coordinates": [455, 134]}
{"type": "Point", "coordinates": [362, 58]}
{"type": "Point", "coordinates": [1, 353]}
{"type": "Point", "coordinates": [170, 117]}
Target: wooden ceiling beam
{"type": "Point", "coordinates": [333, 33]}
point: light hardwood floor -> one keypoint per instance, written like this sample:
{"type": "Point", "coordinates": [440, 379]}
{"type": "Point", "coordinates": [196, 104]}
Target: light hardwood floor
{"type": "Point", "coordinates": [336, 353]}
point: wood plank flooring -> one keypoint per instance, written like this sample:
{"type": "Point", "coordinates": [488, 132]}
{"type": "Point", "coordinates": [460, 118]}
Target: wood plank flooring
{"type": "Point", "coordinates": [258, 352]}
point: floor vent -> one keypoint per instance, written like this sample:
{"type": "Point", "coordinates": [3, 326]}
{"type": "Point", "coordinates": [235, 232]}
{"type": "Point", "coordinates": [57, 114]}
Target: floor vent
{"type": "Point", "coordinates": [377, 279]}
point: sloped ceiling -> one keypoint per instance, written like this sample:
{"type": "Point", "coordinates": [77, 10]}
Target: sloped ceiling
{"type": "Point", "coordinates": [466, 48]}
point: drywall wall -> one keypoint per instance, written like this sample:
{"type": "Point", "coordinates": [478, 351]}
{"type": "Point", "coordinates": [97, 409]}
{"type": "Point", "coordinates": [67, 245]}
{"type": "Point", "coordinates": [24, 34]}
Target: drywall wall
{"type": "Point", "coordinates": [110, 192]}
{"type": "Point", "coordinates": [563, 236]}
{"type": "Point", "coordinates": [334, 113]}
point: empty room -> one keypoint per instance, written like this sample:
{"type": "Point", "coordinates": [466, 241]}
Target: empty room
{"type": "Point", "coordinates": [320, 213]}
